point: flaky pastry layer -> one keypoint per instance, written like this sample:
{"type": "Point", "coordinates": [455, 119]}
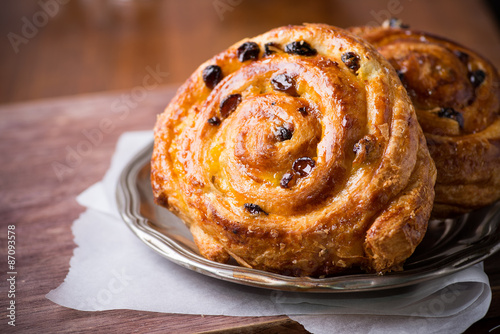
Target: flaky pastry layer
{"type": "Point", "coordinates": [456, 94]}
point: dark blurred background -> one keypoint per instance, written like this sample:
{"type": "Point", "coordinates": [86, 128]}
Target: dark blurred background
{"type": "Point", "coordinates": [53, 48]}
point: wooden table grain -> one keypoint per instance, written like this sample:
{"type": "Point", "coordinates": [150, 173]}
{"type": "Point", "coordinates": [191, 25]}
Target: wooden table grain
{"type": "Point", "coordinates": [83, 71]}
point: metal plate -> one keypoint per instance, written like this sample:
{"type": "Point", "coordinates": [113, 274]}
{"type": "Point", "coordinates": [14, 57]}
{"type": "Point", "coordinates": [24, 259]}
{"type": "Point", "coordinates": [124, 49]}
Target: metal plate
{"type": "Point", "coordinates": [449, 245]}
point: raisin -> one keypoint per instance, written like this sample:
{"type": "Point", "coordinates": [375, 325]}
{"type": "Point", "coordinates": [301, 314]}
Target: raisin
{"type": "Point", "coordinates": [477, 77]}
{"type": "Point", "coordinates": [303, 166]}
{"type": "Point", "coordinates": [212, 75]}
{"type": "Point", "coordinates": [364, 145]}
{"type": "Point", "coordinates": [254, 209]}
{"type": "Point", "coordinates": [351, 60]}
{"type": "Point", "coordinates": [270, 48]}
{"type": "Point", "coordinates": [452, 114]}
{"type": "Point", "coordinates": [464, 57]}
{"type": "Point", "coordinates": [283, 133]}
{"type": "Point", "coordinates": [303, 111]}
{"type": "Point", "coordinates": [401, 75]}
{"type": "Point", "coordinates": [286, 180]}
{"type": "Point", "coordinates": [301, 48]}
{"type": "Point", "coordinates": [367, 149]}
{"type": "Point", "coordinates": [247, 51]}
{"type": "Point", "coordinates": [229, 104]}
{"type": "Point", "coordinates": [284, 83]}
{"type": "Point", "coordinates": [214, 121]}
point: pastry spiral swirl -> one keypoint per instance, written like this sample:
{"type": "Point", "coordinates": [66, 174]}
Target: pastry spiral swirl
{"type": "Point", "coordinates": [296, 152]}
{"type": "Point", "coordinates": [456, 95]}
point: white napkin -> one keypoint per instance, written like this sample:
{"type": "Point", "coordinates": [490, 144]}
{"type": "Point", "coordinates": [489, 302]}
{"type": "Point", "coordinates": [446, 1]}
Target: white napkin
{"type": "Point", "coordinates": [112, 269]}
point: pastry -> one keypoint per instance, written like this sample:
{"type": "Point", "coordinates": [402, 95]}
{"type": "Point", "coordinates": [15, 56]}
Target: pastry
{"type": "Point", "coordinates": [456, 96]}
{"type": "Point", "coordinates": [296, 152]}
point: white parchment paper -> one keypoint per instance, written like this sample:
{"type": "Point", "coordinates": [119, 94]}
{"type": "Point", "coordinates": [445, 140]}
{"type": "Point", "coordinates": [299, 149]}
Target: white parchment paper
{"type": "Point", "coordinates": [112, 269]}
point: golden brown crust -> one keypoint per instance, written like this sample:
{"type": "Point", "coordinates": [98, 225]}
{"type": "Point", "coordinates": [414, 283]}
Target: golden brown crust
{"type": "Point", "coordinates": [456, 95]}
{"type": "Point", "coordinates": [305, 162]}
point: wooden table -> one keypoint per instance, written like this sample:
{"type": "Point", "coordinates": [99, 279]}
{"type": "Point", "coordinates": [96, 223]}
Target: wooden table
{"type": "Point", "coordinates": [70, 55]}
{"type": "Point", "coordinates": [39, 199]}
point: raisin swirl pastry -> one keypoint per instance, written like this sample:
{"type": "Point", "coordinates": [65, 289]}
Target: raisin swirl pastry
{"type": "Point", "coordinates": [456, 95]}
{"type": "Point", "coordinates": [296, 152]}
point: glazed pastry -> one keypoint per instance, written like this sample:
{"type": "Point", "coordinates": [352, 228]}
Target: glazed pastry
{"type": "Point", "coordinates": [456, 95]}
{"type": "Point", "coordinates": [296, 152]}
